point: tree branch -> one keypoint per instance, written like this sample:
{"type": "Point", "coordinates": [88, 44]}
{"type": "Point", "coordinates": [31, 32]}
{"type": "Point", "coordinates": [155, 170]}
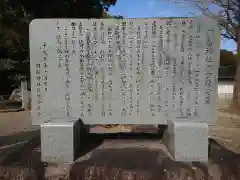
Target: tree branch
{"type": "Point", "coordinates": [226, 21]}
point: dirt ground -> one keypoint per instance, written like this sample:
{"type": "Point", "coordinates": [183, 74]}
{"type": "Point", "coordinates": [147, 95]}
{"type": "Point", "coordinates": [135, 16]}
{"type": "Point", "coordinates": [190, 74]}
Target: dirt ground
{"type": "Point", "coordinates": [15, 122]}
{"type": "Point", "coordinates": [136, 159]}
{"type": "Point", "coordinates": [226, 131]}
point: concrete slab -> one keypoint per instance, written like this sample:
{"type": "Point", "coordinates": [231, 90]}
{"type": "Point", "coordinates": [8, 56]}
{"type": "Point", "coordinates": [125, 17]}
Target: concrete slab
{"type": "Point", "coordinates": [60, 140]}
{"type": "Point", "coordinates": [187, 140]}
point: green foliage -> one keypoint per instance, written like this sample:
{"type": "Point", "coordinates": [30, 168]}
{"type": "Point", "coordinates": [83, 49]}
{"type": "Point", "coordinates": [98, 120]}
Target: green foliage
{"type": "Point", "coordinates": [66, 8]}
{"type": "Point", "coordinates": [13, 31]}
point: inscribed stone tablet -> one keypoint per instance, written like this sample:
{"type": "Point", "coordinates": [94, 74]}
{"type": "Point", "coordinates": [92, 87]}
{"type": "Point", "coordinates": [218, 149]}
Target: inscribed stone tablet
{"type": "Point", "coordinates": [130, 71]}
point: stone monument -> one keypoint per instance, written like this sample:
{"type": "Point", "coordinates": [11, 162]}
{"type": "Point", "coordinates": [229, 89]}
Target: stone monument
{"type": "Point", "coordinates": [128, 71]}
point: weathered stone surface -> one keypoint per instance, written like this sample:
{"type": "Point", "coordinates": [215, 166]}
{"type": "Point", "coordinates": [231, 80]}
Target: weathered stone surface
{"type": "Point", "coordinates": [60, 140]}
{"type": "Point", "coordinates": [155, 69]}
{"type": "Point", "coordinates": [187, 140]}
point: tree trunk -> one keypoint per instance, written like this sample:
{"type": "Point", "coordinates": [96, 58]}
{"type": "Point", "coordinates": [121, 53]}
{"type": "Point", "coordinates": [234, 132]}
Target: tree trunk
{"type": "Point", "coordinates": [235, 104]}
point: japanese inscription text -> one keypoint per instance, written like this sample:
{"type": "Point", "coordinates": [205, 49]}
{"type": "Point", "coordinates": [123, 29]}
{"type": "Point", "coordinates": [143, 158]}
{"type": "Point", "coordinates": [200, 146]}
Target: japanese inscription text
{"type": "Point", "coordinates": [129, 71]}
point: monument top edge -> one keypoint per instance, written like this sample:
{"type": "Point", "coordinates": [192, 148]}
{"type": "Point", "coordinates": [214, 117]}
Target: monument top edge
{"type": "Point", "coordinates": [116, 18]}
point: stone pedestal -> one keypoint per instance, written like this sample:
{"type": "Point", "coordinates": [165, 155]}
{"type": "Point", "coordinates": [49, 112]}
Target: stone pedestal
{"type": "Point", "coordinates": [187, 140]}
{"type": "Point", "coordinates": [60, 140]}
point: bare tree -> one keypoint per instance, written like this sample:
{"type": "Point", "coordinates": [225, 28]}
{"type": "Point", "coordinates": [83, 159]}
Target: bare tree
{"type": "Point", "coordinates": [229, 20]}
{"type": "Point", "coordinates": [228, 17]}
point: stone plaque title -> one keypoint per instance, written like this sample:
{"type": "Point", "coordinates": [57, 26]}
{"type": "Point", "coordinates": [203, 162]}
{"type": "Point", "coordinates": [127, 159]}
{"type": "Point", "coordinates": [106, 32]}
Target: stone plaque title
{"type": "Point", "coordinates": [130, 71]}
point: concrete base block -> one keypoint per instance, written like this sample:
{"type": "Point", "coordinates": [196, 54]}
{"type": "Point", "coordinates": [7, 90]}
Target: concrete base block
{"type": "Point", "coordinates": [60, 140]}
{"type": "Point", "coordinates": [187, 140]}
